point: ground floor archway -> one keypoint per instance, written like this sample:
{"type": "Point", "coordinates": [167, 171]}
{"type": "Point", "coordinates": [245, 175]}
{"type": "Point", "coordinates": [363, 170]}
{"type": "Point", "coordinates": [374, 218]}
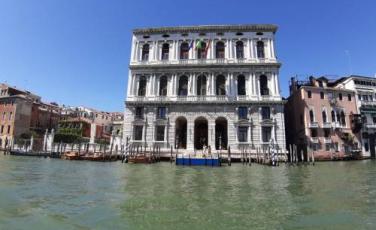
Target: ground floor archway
{"type": "Point", "coordinates": [181, 133]}
{"type": "Point", "coordinates": [200, 133]}
{"type": "Point", "coordinates": [221, 133]}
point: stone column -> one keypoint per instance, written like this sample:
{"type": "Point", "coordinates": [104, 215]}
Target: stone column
{"type": "Point", "coordinates": [190, 135]}
{"type": "Point", "coordinates": [252, 49]}
{"type": "Point", "coordinates": [272, 48]}
{"type": "Point", "coordinates": [247, 54]}
{"type": "Point", "coordinates": [227, 49]}
{"type": "Point", "coordinates": [213, 84]}
{"type": "Point", "coordinates": [194, 84]}
{"type": "Point", "coordinates": [211, 134]}
{"type": "Point", "coordinates": [190, 84]}
{"type": "Point", "coordinates": [175, 84]}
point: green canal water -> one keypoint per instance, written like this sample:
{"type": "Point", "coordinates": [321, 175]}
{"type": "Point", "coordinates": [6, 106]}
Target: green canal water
{"type": "Point", "coordinates": [38, 193]}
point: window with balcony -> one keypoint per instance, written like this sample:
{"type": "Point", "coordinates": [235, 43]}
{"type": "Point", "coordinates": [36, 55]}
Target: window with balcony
{"type": "Point", "coordinates": [137, 132]}
{"type": "Point", "coordinates": [183, 86]}
{"type": "Point", "coordinates": [243, 134]}
{"type": "Point", "coordinates": [160, 133]}
{"type": "Point", "coordinates": [161, 113]}
{"type": "Point", "coordinates": [343, 119]}
{"type": "Point", "coordinates": [324, 118]}
{"type": "Point", "coordinates": [239, 50]}
{"type": "Point", "coordinates": [243, 113]}
{"type": "Point", "coordinates": [220, 85]}
{"type": "Point", "coordinates": [260, 49]}
{"type": "Point", "coordinates": [266, 133]}
{"type": "Point", "coordinates": [311, 116]}
{"type": "Point", "coordinates": [201, 50]}
{"type": "Point", "coordinates": [163, 86]}
{"type": "Point", "coordinates": [349, 97]}
{"type": "Point", "coordinates": [241, 85]}
{"type": "Point", "coordinates": [220, 50]}
{"type": "Point", "coordinates": [201, 85]}
{"type": "Point", "coordinates": [165, 51]}
{"type": "Point", "coordinates": [309, 94]}
{"type": "Point", "coordinates": [184, 51]}
{"type": "Point", "coordinates": [145, 52]}
{"type": "Point", "coordinates": [264, 85]}
{"type": "Point", "coordinates": [265, 113]}
{"type": "Point", "coordinates": [142, 86]}
{"type": "Point", "coordinates": [139, 113]}
{"type": "Point", "coordinates": [313, 132]}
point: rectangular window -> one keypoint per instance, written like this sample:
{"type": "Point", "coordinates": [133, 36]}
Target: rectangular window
{"type": "Point", "coordinates": [10, 116]}
{"type": "Point", "coordinates": [360, 97]}
{"type": "Point", "coordinates": [340, 96]}
{"type": "Point", "coordinates": [370, 97]}
{"type": "Point", "coordinates": [2, 129]}
{"type": "Point", "coordinates": [313, 132]}
{"type": "Point", "coordinates": [365, 97]}
{"type": "Point", "coordinates": [326, 133]}
{"type": "Point", "coordinates": [349, 97]}
{"type": "Point", "coordinates": [322, 95]}
{"type": "Point", "coordinates": [242, 112]}
{"type": "Point", "coordinates": [8, 129]}
{"type": "Point", "coordinates": [243, 134]}
{"type": "Point", "coordinates": [265, 113]}
{"type": "Point", "coordinates": [309, 94]}
{"type": "Point", "coordinates": [374, 120]}
{"type": "Point", "coordinates": [139, 112]}
{"type": "Point", "coordinates": [161, 113]}
{"type": "Point", "coordinates": [137, 132]}
{"type": "Point", "coordinates": [266, 134]}
{"type": "Point", "coordinates": [327, 147]}
{"type": "Point", "coordinates": [160, 133]}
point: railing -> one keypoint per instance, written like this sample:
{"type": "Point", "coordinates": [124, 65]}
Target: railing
{"type": "Point", "coordinates": [371, 126]}
{"type": "Point", "coordinates": [327, 125]}
{"type": "Point", "coordinates": [315, 140]}
{"type": "Point", "coordinates": [327, 140]}
{"type": "Point", "coordinates": [313, 124]}
{"type": "Point", "coordinates": [368, 103]}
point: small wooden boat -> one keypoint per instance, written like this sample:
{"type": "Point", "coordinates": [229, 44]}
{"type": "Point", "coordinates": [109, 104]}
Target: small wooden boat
{"type": "Point", "coordinates": [71, 156]}
{"type": "Point", "coordinates": [141, 159]}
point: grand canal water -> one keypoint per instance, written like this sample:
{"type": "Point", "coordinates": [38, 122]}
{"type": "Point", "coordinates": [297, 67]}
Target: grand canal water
{"type": "Point", "coordinates": [38, 193]}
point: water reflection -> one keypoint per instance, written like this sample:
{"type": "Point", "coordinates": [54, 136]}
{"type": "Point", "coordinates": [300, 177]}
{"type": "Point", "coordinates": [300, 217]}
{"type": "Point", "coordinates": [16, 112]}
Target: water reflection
{"type": "Point", "coordinates": [48, 193]}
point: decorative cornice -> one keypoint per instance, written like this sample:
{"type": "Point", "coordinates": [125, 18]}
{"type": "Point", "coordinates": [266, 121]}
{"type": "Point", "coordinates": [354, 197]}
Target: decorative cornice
{"type": "Point", "coordinates": [208, 28]}
{"type": "Point", "coordinates": [237, 103]}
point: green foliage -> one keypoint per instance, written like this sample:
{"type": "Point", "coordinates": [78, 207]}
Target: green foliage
{"type": "Point", "coordinates": [73, 131]}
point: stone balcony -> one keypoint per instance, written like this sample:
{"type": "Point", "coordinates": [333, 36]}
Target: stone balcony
{"type": "Point", "coordinates": [327, 140]}
{"type": "Point", "coordinates": [327, 125]}
{"type": "Point", "coordinates": [313, 124]}
{"type": "Point", "coordinates": [370, 126]}
{"type": "Point", "coordinates": [205, 98]}
{"type": "Point", "coordinates": [220, 61]}
{"type": "Point", "coordinates": [315, 140]}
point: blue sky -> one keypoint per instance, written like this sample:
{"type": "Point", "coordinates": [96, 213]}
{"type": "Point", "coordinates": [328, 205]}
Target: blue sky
{"type": "Point", "coordinates": [76, 52]}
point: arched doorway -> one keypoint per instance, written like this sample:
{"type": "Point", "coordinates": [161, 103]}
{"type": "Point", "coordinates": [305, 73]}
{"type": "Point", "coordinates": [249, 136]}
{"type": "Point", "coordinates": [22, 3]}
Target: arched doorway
{"type": "Point", "coordinates": [181, 133]}
{"type": "Point", "coordinates": [201, 133]}
{"type": "Point", "coordinates": [221, 133]}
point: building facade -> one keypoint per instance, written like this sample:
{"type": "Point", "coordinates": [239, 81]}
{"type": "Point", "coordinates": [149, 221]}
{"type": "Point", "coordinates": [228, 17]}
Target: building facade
{"type": "Point", "coordinates": [198, 86]}
{"type": "Point", "coordinates": [320, 117]}
{"type": "Point", "coordinates": [365, 90]}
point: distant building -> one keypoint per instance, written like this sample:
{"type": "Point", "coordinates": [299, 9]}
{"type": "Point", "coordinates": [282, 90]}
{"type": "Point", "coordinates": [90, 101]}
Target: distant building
{"type": "Point", "coordinates": [365, 90]}
{"type": "Point", "coordinates": [23, 113]}
{"type": "Point", "coordinates": [196, 86]}
{"type": "Point", "coordinates": [322, 118]}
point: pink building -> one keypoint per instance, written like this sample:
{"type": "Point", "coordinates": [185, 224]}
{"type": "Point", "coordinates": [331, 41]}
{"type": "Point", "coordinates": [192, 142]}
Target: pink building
{"type": "Point", "coordinates": [323, 119]}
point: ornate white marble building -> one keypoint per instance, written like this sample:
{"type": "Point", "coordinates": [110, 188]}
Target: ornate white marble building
{"type": "Point", "coordinates": [195, 86]}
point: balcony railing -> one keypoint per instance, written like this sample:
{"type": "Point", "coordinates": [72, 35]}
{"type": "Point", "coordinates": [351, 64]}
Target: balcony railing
{"type": "Point", "coordinates": [368, 103]}
{"type": "Point", "coordinates": [327, 140]}
{"type": "Point", "coordinates": [371, 126]}
{"type": "Point", "coordinates": [313, 124]}
{"type": "Point", "coordinates": [327, 125]}
{"type": "Point", "coordinates": [315, 140]}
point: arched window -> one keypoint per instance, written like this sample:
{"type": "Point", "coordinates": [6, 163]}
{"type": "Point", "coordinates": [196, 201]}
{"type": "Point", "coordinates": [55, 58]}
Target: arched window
{"type": "Point", "coordinates": [201, 85]}
{"type": "Point", "coordinates": [239, 50]}
{"type": "Point", "coordinates": [142, 86]}
{"type": "Point", "coordinates": [183, 86]}
{"type": "Point", "coordinates": [145, 52]}
{"type": "Point", "coordinates": [311, 116]}
{"type": "Point", "coordinates": [241, 85]}
{"type": "Point", "coordinates": [264, 85]}
{"type": "Point", "coordinates": [163, 86]}
{"type": "Point", "coordinates": [201, 54]}
{"type": "Point", "coordinates": [220, 50]}
{"type": "Point", "coordinates": [324, 119]}
{"type": "Point", "coordinates": [184, 51]}
{"type": "Point", "coordinates": [338, 117]}
{"type": "Point", "coordinates": [165, 51]}
{"type": "Point", "coordinates": [221, 85]}
{"type": "Point", "coordinates": [333, 116]}
{"type": "Point", "coordinates": [343, 118]}
{"type": "Point", "coordinates": [260, 49]}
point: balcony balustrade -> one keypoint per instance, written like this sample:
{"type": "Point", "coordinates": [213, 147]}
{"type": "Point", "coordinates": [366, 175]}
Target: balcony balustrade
{"type": "Point", "coordinates": [313, 124]}
{"type": "Point", "coordinates": [327, 125]}
{"type": "Point", "coordinates": [327, 140]}
{"type": "Point", "coordinates": [371, 126]}
{"type": "Point", "coordinates": [315, 140]}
